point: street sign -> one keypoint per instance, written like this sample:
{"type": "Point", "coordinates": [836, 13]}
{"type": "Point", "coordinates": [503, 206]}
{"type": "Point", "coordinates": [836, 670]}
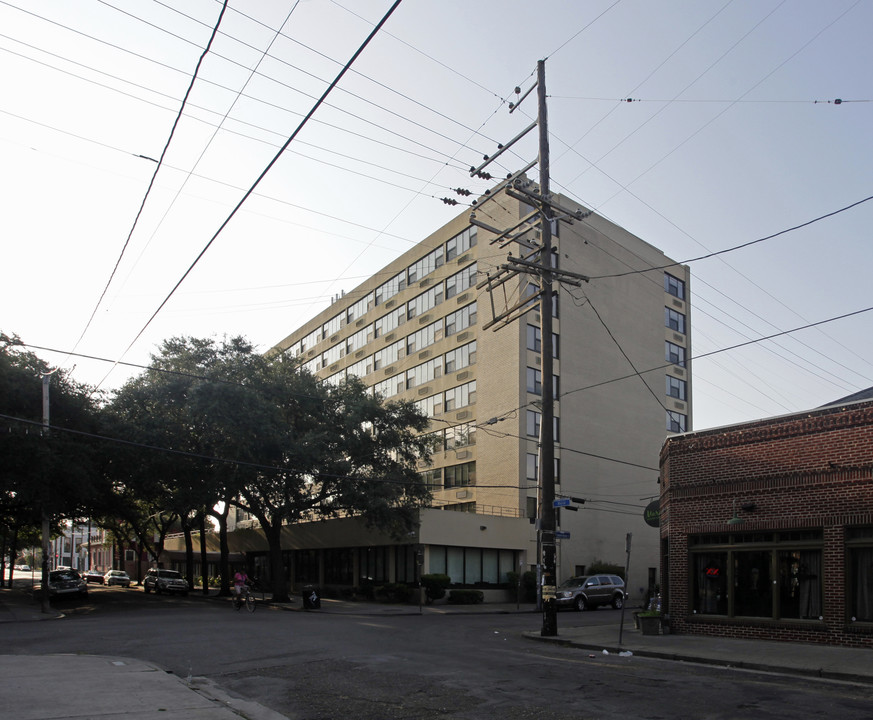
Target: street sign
{"type": "Point", "coordinates": [561, 502]}
{"type": "Point", "coordinates": [562, 535]}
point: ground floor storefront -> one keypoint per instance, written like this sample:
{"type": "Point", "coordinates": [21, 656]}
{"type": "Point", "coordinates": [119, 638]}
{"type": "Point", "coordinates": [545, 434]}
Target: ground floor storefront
{"type": "Point", "coordinates": [767, 529]}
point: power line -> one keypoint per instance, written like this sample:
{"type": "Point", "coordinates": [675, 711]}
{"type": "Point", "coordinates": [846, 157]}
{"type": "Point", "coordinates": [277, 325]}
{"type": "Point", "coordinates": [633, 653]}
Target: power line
{"type": "Point", "coordinates": [264, 172]}
{"type": "Point", "coordinates": [155, 173]}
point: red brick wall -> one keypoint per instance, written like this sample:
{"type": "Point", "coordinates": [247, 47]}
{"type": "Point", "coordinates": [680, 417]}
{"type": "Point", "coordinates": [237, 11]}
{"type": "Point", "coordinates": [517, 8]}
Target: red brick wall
{"type": "Point", "coordinates": [810, 470]}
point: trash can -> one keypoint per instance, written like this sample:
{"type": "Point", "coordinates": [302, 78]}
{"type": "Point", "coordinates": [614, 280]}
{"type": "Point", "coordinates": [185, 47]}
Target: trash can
{"type": "Point", "coordinates": [311, 599]}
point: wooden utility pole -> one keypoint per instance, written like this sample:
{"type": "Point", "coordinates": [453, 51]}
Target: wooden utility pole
{"type": "Point", "coordinates": [537, 259]}
{"type": "Point", "coordinates": [547, 426]}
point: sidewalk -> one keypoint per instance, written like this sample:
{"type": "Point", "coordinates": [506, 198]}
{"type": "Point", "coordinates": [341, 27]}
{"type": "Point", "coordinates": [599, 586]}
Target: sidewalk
{"type": "Point", "coordinates": [37, 687]}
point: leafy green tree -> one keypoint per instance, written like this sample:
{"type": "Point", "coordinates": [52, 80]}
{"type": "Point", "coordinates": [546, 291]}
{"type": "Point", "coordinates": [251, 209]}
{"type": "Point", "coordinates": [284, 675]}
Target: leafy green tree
{"type": "Point", "coordinates": [268, 437]}
{"type": "Point", "coordinates": [47, 471]}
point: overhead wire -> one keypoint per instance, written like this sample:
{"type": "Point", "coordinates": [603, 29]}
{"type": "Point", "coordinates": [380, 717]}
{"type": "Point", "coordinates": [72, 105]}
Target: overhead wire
{"type": "Point", "coordinates": [264, 172]}
{"type": "Point", "coordinates": [156, 171]}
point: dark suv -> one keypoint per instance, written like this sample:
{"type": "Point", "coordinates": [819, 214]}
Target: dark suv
{"type": "Point", "coordinates": [168, 581]}
{"type": "Point", "coordinates": [589, 591]}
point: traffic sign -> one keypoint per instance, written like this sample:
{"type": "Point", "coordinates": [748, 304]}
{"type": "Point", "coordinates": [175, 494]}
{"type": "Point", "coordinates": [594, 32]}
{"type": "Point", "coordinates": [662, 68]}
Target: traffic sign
{"type": "Point", "coordinates": [562, 535]}
{"type": "Point", "coordinates": [561, 502]}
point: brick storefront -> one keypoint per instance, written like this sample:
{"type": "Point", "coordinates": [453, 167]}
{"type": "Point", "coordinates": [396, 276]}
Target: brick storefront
{"type": "Point", "coordinates": [767, 528]}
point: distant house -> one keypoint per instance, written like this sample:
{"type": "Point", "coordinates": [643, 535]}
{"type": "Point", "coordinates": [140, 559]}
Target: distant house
{"type": "Point", "coordinates": [767, 527]}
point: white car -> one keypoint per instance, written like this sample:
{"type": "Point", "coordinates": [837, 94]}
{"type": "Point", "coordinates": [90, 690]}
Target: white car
{"type": "Point", "coordinates": [116, 577]}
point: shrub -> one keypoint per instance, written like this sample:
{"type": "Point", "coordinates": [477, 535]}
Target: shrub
{"type": "Point", "coordinates": [435, 586]}
{"type": "Point", "coordinates": [466, 597]}
{"type": "Point", "coordinates": [395, 592]}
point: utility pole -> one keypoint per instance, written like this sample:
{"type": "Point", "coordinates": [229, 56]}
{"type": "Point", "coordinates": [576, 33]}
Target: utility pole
{"type": "Point", "coordinates": [46, 529]}
{"type": "Point", "coordinates": [537, 259]}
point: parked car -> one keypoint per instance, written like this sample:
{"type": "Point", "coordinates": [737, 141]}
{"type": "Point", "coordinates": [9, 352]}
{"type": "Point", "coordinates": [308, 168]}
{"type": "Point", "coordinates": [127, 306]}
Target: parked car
{"type": "Point", "coordinates": [168, 581]}
{"type": "Point", "coordinates": [117, 577]}
{"type": "Point", "coordinates": [94, 576]}
{"type": "Point", "coordinates": [589, 591]}
{"type": "Point", "coordinates": [22, 568]}
{"type": "Point", "coordinates": [66, 582]}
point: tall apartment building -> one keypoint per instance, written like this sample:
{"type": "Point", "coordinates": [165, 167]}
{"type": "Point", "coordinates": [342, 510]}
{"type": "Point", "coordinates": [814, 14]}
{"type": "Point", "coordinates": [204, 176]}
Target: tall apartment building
{"type": "Point", "coordinates": [417, 330]}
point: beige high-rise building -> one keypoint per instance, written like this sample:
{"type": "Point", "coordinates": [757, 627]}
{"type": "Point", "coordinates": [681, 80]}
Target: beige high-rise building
{"type": "Point", "coordinates": [418, 330]}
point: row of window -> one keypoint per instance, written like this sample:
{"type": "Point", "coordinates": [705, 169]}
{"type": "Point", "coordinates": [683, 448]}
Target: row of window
{"type": "Point", "coordinates": [778, 576]}
{"type": "Point", "coordinates": [454, 285]}
{"type": "Point", "coordinates": [452, 399]}
{"type": "Point", "coordinates": [447, 326]}
{"type": "Point", "coordinates": [451, 476]}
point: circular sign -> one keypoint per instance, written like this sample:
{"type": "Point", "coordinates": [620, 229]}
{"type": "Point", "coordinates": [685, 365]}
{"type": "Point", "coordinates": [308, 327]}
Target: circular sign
{"type": "Point", "coordinates": [652, 513]}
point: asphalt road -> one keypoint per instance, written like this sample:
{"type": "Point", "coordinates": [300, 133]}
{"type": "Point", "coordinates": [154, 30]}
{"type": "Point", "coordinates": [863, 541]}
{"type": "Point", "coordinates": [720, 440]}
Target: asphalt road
{"type": "Point", "coordinates": [320, 666]}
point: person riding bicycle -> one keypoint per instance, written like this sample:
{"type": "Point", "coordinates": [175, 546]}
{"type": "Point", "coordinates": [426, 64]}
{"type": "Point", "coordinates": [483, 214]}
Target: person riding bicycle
{"type": "Point", "coordinates": [240, 581]}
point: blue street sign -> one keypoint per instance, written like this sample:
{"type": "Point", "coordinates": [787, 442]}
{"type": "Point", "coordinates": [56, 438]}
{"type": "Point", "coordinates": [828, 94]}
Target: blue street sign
{"type": "Point", "coordinates": [562, 535]}
{"type": "Point", "coordinates": [561, 502]}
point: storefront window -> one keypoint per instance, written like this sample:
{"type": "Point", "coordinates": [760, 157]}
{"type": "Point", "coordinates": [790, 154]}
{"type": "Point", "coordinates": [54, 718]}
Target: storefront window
{"type": "Point", "coordinates": [761, 575]}
{"type": "Point", "coordinates": [860, 580]}
{"type": "Point", "coordinates": [800, 584]}
{"type": "Point", "coordinates": [753, 594]}
{"type": "Point", "coordinates": [710, 583]}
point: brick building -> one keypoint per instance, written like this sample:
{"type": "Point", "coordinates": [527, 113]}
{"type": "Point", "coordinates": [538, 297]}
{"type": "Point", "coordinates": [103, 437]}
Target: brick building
{"type": "Point", "coordinates": [767, 528]}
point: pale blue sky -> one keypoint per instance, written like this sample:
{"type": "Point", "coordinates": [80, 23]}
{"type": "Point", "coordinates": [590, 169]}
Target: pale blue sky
{"type": "Point", "coordinates": [733, 135]}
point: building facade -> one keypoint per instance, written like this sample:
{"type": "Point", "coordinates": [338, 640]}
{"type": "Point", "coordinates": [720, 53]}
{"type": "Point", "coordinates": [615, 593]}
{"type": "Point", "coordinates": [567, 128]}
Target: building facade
{"type": "Point", "coordinates": [767, 528]}
{"type": "Point", "coordinates": [421, 329]}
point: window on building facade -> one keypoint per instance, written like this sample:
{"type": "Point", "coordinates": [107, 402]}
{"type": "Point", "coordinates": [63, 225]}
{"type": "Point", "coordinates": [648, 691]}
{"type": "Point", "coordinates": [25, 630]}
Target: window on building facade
{"type": "Point", "coordinates": [357, 340]}
{"type": "Point", "coordinates": [311, 340]}
{"type": "Point", "coordinates": [387, 291]}
{"type": "Point", "coordinates": [461, 475]}
{"type": "Point", "coordinates": [390, 387]}
{"type": "Point", "coordinates": [674, 286]}
{"type": "Point", "coordinates": [468, 566]}
{"type": "Point", "coordinates": [676, 422]}
{"type": "Point", "coordinates": [461, 396]}
{"type": "Point", "coordinates": [674, 320]}
{"type": "Point", "coordinates": [676, 387]}
{"type": "Point", "coordinates": [425, 337]}
{"type": "Point", "coordinates": [389, 322]}
{"type": "Point", "coordinates": [674, 354]}
{"type": "Point", "coordinates": [534, 381]}
{"type": "Point", "coordinates": [361, 368]}
{"type": "Point", "coordinates": [433, 478]}
{"type": "Point", "coordinates": [532, 467]}
{"type": "Point", "coordinates": [533, 419]}
{"type": "Point", "coordinates": [358, 309]}
{"type": "Point", "coordinates": [459, 244]}
{"type": "Point", "coordinates": [430, 406]}
{"type": "Point", "coordinates": [426, 265]}
{"type": "Point", "coordinates": [457, 283]}
{"type": "Point", "coordinates": [333, 354]}
{"type": "Point", "coordinates": [534, 338]}
{"type": "Point", "coordinates": [461, 357]}
{"type": "Point", "coordinates": [424, 373]}
{"type": "Point", "coordinates": [332, 326]}
{"type": "Point", "coordinates": [859, 544]}
{"type": "Point", "coordinates": [460, 436]}
{"type": "Point", "coordinates": [461, 319]}
{"type": "Point", "coordinates": [424, 302]}
{"type": "Point", "coordinates": [388, 355]}
{"type": "Point", "coordinates": [776, 576]}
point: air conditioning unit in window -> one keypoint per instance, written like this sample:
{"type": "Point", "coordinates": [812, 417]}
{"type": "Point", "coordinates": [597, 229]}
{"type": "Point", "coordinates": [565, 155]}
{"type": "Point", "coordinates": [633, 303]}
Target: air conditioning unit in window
{"type": "Point", "coordinates": [424, 354]}
{"type": "Point", "coordinates": [463, 415]}
{"type": "Point", "coordinates": [424, 391]}
{"type": "Point", "coordinates": [463, 375]}
{"type": "Point", "coordinates": [390, 303]}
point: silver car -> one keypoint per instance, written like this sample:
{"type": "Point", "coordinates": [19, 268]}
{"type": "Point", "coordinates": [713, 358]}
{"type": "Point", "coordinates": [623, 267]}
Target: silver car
{"type": "Point", "coordinates": [588, 591]}
{"type": "Point", "coordinates": [168, 581]}
{"type": "Point", "coordinates": [117, 577]}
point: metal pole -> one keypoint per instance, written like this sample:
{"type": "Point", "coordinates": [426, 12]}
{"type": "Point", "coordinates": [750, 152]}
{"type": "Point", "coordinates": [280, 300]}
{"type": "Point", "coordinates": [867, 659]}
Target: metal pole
{"type": "Point", "coordinates": [547, 435]}
{"type": "Point", "coordinates": [44, 595]}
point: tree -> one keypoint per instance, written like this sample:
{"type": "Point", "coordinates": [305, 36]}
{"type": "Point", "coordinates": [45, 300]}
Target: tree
{"type": "Point", "coordinates": [275, 441]}
{"type": "Point", "coordinates": [48, 472]}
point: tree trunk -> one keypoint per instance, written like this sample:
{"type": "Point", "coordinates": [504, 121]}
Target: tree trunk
{"type": "Point", "coordinates": [277, 567]}
{"type": "Point", "coordinates": [224, 558]}
{"type": "Point", "coordinates": [189, 553]}
{"type": "Point", "coordinates": [204, 562]}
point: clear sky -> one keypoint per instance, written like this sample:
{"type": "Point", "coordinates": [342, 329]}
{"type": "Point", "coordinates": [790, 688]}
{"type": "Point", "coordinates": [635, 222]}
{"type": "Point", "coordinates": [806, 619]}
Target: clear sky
{"type": "Point", "coordinates": [733, 134]}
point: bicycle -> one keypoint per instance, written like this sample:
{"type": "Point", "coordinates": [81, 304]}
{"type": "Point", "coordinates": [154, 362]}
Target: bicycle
{"type": "Point", "coordinates": [244, 598]}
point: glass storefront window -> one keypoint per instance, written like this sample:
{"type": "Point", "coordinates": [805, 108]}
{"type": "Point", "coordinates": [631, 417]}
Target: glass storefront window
{"type": "Point", "coordinates": [753, 591]}
{"type": "Point", "coordinates": [861, 569]}
{"type": "Point", "coordinates": [710, 583]}
{"type": "Point", "coordinates": [800, 584]}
